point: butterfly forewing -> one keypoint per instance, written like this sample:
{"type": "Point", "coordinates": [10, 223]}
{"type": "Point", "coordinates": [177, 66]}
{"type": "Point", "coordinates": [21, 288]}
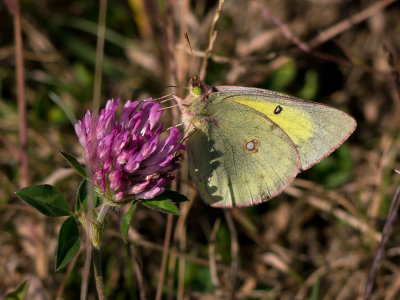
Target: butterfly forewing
{"type": "Point", "coordinates": [315, 129]}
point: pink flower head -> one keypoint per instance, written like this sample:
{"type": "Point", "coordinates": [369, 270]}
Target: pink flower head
{"type": "Point", "coordinates": [124, 155]}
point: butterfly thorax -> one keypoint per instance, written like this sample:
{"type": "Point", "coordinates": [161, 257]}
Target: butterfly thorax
{"type": "Point", "coordinates": [194, 108]}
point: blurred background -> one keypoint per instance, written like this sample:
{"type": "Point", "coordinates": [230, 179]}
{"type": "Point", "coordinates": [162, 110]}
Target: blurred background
{"type": "Point", "coordinates": [316, 240]}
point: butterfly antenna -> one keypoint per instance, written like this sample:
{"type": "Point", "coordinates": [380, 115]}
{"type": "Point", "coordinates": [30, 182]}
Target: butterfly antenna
{"type": "Point", "coordinates": [176, 86]}
{"type": "Point", "coordinates": [191, 51]}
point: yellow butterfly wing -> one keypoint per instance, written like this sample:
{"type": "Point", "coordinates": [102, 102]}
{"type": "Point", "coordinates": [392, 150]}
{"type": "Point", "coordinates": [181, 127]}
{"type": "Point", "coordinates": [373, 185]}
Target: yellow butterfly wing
{"type": "Point", "coordinates": [237, 155]}
{"type": "Point", "coordinates": [316, 129]}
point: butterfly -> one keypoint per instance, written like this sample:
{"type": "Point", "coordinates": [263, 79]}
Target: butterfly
{"type": "Point", "coordinates": [245, 145]}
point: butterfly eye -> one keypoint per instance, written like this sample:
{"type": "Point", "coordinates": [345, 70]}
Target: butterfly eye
{"type": "Point", "coordinates": [278, 109]}
{"type": "Point", "coordinates": [196, 90]}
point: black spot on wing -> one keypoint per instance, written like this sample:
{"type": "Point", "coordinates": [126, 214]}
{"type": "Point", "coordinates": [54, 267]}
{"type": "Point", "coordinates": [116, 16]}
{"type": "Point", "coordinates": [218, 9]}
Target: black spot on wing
{"type": "Point", "coordinates": [278, 110]}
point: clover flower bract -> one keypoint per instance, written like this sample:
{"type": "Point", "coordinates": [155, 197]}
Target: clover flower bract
{"type": "Point", "coordinates": [124, 155]}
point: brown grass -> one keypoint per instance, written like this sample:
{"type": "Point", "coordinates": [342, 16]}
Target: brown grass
{"type": "Point", "coordinates": [316, 235]}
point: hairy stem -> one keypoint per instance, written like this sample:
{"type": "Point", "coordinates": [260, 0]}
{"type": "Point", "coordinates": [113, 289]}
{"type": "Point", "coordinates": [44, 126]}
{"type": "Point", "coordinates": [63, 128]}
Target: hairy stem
{"type": "Point", "coordinates": [98, 273]}
{"type": "Point", "coordinates": [103, 213]}
{"type": "Point", "coordinates": [97, 235]}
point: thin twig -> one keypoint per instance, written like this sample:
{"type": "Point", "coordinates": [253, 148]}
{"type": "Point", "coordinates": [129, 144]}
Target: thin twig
{"type": "Point", "coordinates": [329, 33]}
{"type": "Point", "coordinates": [181, 267]}
{"type": "Point", "coordinates": [14, 9]}
{"type": "Point", "coordinates": [212, 37]}
{"type": "Point", "coordinates": [171, 57]}
{"type": "Point", "coordinates": [211, 255]}
{"type": "Point", "coordinates": [167, 241]}
{"type": "Point", "coordinates": [138, 272]}
{"type": "Point", "coordinates": [101, 31]}
{"type": "Point", "coordinates": [171, 272]}
{"type": "Point", "coordinates": [169, 33]}
{"type": "Point", "coordinates": [180, 234]}
{"type": "Point", "coordinates": [234, 251]}
{"type": "Point", "coordinates": [227, 59]}
{"type": "Point", "coordinates": [394, 72]}
{"type": "Point", "coordinates": [172, 64]}
{"type": "Point", "coordinates": [283, 27]}
{"type": "Point", "coordinates": [338, 28]}
{"type": "Point", "coordinates": [180, 56]}
{"type": "Point", "coordinates": [326, 35]}
{"type": "Point", "coordinates": [175, 117]}
{"type": "Point", "coordinates": [379, 253]}
{"type": "Point", "coordinates": [23, 136]}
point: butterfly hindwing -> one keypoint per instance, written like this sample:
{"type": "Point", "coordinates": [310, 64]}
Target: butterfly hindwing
{"type": "Point", "coordinates": [237, 155]}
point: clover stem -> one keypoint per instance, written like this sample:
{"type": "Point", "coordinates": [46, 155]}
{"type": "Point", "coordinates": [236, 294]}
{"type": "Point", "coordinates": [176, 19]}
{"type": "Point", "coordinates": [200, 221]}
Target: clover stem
{"type": "Point", "coordinates": [98, 227]}
{"type": "Point", "coordinates": [98, 273]}
{"type": "Point", "coordinates": [102, 214]}
{"type": "Point", "coordinates": [97, 236]}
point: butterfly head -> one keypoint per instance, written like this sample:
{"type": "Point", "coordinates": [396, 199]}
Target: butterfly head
{"type": "Point", "coordinates": [195, 86]}
{"type": "Point", "coordinates": [199, 89]}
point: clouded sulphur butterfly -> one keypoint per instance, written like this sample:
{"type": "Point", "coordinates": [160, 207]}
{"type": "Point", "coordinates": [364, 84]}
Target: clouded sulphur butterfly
{"type": "Point", "coordinates": [246, 145]}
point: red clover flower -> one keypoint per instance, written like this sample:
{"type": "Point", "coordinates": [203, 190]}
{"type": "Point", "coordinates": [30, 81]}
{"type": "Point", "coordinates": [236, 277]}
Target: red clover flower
{"type": "Point", "coordinates": [124, 155]}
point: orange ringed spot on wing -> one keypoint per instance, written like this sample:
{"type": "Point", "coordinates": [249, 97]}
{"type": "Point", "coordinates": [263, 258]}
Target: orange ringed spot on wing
{"type": "Point", "coordinates": [251, 146]}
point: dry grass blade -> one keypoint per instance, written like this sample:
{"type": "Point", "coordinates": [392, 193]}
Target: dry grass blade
{"type": "Point", "coordinates": [346, 24]}
{"type": "Point", "coordinates": [212, 37]}
{"type": "Point", "coordinates": [164, 258]}
{"type": "Point", "coordinates": [381, 248]}
{"type": "Point", "coordinates": [282, 26]}
{"type": "Point", "coordinates": [343, 215]}
{"type": "Point", "coordinates": [395, 74]}
{"type": "Point", "coordinates": [211, 256]}
{"type": "Point", "coordinates": [234, 252]}
{"type": "Point", "coordinates": [98, 73]}
{"type": "Point", "coordinates": [138, 273]}
{"type": "Point", "coordinates": [14, 9]}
